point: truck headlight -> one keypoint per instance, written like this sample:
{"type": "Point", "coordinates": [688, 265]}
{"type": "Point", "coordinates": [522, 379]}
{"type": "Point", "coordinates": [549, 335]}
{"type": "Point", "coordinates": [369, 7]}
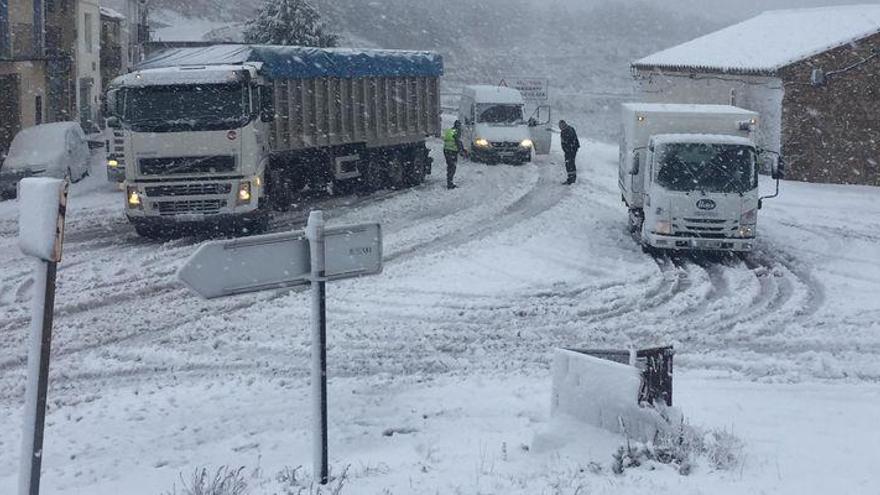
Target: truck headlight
{"type": "Point", "coordinates": [134, 198]}
{"type": "Point", "coordinates": [526, 143]}
{"type": "Point", "coordinates": [749, 218]}
{"type": "Point", "coordinates": [482, 143]}
{"type": "Point", "coordinates": [663, 228]}
{"type": "Point", "coordinates": [112, 163]}
{"type": "Point", "coordinates": [244, 194]}
{"type": "Point", "coordinates": [746, 231]}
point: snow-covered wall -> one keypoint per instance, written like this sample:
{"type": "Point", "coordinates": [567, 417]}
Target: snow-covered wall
{"type": "Point", "coordinates": [757, 93]}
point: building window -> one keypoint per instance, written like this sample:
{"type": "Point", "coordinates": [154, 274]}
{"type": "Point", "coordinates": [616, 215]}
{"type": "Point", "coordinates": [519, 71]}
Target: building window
{"type": "Point", "coordinates": [87, 31]}
{"type": "Point", "coordinates": [4, 28]}
{"type": "Point", "coordinates": [38, 110]}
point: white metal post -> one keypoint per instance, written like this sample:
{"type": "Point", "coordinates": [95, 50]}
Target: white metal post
{"type": "Point", "coordinates": [39, 346]}
{"type": "Point", "coordinates": [315, 234]}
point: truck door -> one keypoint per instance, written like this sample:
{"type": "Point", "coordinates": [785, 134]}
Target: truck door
{"type": "Point", "coordinates": [540, 129]}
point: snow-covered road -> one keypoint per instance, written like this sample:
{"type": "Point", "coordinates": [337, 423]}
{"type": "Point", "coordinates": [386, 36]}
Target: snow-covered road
{"type": "Point", "coordinates": [480, 284]}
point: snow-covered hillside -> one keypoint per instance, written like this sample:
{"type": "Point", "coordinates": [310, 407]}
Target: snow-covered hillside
{"type": "Point", "coordinates": [439, 367]}
{"type": "Point", "coordinates": [584, 49]}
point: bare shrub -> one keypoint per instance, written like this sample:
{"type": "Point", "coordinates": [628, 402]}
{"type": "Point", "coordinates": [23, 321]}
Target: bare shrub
{"type": "Point", "coordinates": [225, 481]}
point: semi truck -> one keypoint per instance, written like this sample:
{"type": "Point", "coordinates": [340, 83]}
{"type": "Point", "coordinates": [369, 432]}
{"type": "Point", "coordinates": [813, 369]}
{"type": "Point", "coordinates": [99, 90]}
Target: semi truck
{"type": "Point", "coordinates": [221, 135]}
{"type": "Point", "coordinates": [688, 175]}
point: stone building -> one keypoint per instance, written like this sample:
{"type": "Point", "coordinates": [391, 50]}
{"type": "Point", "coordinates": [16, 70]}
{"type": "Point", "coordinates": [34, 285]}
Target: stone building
{"type": "Point", "coordinates": [812, 74]}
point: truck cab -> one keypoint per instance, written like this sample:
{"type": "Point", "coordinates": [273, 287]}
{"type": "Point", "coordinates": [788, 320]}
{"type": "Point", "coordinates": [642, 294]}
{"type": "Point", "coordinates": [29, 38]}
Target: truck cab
{"type": "Point", "coordinates": [689, 176]}
{"type": "Point", "coordinates": [494, 125]}
{"type": "Point", "coordinates": [193, 145]}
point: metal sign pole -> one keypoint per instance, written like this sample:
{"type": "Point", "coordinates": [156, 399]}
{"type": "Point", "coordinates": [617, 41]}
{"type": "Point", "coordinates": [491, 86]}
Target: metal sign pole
{"type": "Point", "coordinates": [39, 347]}
{"type": "Point", "coordinates": [315, 233]}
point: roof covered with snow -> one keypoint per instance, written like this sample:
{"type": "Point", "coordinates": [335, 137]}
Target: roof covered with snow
{"type": "Point", "coordinates": [771, 41]}
{"type": "Point", "coordinates": [112, 14]}
{"type": "Point", "coordinates": [494, 94]}
{"type": "Point", "coordinates": [295, 62]}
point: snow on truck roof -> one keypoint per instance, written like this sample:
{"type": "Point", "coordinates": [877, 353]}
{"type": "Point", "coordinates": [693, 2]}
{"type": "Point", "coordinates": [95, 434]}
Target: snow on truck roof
{"type": "Point", "coordinates": [296, 62]}
{"type": "Point", "coordinates": [495, 94]}
{"type": "Point", "coordinates": [771, 41]}
{"type": "Point", "coordinates": [702, 139]}
{"type": "Point", "coordinates": [685, 108]}
{"type": "Point", "coordinates": [202, 74]}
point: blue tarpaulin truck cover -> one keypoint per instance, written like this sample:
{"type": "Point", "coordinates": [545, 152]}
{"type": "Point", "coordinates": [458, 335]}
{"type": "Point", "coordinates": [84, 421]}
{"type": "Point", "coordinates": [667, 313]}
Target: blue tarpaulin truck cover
{"type": "Point", "coordinates": [296, 62]}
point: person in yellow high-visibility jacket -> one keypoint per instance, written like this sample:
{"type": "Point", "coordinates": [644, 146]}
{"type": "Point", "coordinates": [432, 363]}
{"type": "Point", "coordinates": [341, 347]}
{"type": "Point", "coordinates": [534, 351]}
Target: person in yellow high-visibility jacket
{"type": "Point", "coordinates": [452, 146]}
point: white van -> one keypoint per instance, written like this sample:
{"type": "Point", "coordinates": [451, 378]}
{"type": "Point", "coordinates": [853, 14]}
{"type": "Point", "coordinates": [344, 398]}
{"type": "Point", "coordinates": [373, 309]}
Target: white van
{"type": "Point", "coordinates": [494, 127]}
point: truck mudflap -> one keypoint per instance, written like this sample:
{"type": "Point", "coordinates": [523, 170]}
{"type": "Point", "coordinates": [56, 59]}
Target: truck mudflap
{"type": "Point", "coordinates": [744, 245]}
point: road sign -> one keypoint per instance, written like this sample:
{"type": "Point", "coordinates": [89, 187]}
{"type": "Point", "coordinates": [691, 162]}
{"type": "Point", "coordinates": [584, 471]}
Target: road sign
{"type": "Point", "coordinates": [533, 89]}
{"type": "Point", "coordinates": [278, 261]}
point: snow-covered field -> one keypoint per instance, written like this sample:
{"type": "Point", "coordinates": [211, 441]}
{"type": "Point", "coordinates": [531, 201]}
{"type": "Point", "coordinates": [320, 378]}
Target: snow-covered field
{"type": "Point", "coordinates": [439, 367]}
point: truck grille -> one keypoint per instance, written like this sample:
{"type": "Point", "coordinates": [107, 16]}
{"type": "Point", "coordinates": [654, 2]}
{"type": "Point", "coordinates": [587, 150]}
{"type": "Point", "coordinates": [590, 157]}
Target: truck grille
{"type": "Point", "coordinates": [187, 165]}
{"type": "Point", "coordinates": [206, 206]}
{"type": "Point", "coordinates": [188, 190]}
{"type": "Point", "coordinates": [705, 228]}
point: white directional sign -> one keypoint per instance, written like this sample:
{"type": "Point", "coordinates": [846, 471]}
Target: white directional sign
{"type": "Point", "coordinates": [533, 89]}
{"type": "Point", "coordinates": [277, 261]}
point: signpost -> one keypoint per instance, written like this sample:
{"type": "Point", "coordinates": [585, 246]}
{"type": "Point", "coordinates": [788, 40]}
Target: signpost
{"type": "Point", "coordinates": [42, 207]}
{"type": "Point", "coordinates": [278, 261]}
{"type": "Point", "coordinates": [535, 90]}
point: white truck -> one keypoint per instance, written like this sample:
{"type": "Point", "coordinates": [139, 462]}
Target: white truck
{"type": "Point", "coordinates": [495, 129]}
{"type": "Point", "coordinates": [217, 135]}
{"type": "Point", "coordinates": [689, 176]}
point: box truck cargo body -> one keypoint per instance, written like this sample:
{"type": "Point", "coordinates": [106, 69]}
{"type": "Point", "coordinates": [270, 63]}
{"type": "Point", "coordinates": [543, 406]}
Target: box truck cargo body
{"type": "Point", "coordinates": [221, 133]}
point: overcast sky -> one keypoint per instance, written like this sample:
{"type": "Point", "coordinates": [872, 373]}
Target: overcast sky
{"type": "Point", "coordinates": [730, 9]}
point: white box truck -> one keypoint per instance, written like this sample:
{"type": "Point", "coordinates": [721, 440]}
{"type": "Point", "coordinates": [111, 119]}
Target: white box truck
{"type": "Point", "coordinates": [689, 176]}
{"type": "Point", "coordinates": [216, 135]}
{"type": "Point", "coordinates": [495, 129]}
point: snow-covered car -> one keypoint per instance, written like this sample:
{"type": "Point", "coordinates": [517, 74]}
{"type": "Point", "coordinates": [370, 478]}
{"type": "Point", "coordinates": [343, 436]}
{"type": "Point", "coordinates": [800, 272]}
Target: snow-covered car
{"type": "Point", "coordinates": [58, 150]}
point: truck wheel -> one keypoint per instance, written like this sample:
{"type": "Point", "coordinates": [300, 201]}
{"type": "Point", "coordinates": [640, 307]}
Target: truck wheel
{"type": "Point", "coordinates": [372, 174]}
{"type": "Point", "coordinates": [416, 168]}
{"type": "Point", "coordinates": [397, 171]}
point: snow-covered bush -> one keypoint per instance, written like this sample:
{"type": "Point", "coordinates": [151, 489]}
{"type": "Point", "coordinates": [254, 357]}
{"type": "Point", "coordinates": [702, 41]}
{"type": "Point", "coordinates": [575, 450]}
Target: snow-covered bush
{"type": "Point", "coordinates": [721, 450]}
{"type": "Point", "coordinates": [289, 22]}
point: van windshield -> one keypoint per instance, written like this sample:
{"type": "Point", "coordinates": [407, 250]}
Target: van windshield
{"type": "Point", "coordinates": [707, 167]}
{"type": "Point", "coordinates": [499, 114]}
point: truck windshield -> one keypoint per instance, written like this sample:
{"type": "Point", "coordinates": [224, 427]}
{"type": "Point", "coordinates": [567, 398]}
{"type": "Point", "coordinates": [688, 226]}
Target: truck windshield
{"type": "Point", "coordinates": [718, 168]}
{"type": "Point", "coordinates": [500, 114]}
{"type": "Point", "coordinates": [206, 107]}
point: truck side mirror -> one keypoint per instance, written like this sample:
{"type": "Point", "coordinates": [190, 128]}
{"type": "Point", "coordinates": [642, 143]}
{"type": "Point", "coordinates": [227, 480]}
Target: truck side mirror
{"type": "Point", "coordinates": [113, 122]}
{"type": "Point", "coordinates": [636, 164]}
{"type": "Point", "coordinates": [267, 106]}
{"type": "Point", "coordinates": [778, 170]}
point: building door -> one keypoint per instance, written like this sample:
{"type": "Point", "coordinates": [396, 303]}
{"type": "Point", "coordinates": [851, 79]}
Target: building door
{"type": "Point", "coordinates": [10, 115]}
{"type": "Point", "coordinates": [85, 100]}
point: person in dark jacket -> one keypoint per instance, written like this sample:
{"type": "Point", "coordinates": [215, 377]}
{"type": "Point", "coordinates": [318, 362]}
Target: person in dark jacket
{"type": "Point", "coordinates": [570, 146]}
{"type": "Point", "coordinates": [452, 146]}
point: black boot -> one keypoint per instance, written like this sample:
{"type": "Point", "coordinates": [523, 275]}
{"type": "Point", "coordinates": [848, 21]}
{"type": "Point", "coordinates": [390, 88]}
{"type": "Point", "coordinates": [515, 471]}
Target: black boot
{"type": "Point", "coordinates": [451, 186]}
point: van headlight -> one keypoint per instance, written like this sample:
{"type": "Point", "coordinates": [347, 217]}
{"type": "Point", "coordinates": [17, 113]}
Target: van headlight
{"type": "Point", "coordinates": [526, 143]}
{"type": "Point", "coordinates": [244, 193]}
{"type": "Point", "coordinates": [481, 143]}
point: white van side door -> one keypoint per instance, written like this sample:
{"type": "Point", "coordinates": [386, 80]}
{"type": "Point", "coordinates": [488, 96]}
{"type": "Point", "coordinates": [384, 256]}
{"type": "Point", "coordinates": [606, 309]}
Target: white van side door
{"type": "Point", "coordinates": [541, 130]}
